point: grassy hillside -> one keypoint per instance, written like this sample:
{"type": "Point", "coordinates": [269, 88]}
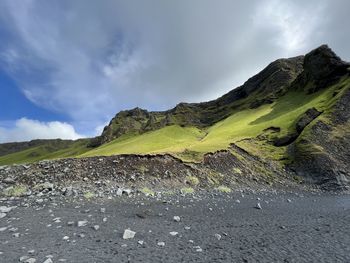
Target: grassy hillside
{"type": "Point", "coordinates": [47, 150]}
{"type": "Point", "coordinates": [191, 143]}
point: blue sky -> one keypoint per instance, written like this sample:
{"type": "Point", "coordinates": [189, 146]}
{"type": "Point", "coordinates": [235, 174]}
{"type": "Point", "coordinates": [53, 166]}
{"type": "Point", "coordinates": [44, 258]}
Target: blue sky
{"type": "Point", "coordinates": [67, 67]}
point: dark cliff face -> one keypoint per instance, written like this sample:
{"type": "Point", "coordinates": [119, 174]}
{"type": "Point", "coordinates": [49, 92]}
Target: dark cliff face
{"type": "Point", "coordinates": [322, 67]}
{"type": "Point", "coordinates": [322, 155]}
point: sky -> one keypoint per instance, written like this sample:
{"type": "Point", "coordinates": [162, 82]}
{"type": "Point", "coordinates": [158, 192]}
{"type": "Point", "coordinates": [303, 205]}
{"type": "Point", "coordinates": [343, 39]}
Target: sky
{"type": "Point", "coordinates": [68, 66]}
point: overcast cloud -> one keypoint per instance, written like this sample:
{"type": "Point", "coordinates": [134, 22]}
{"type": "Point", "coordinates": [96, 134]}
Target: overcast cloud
{"type": "Point", "coordinates": [90, 59]}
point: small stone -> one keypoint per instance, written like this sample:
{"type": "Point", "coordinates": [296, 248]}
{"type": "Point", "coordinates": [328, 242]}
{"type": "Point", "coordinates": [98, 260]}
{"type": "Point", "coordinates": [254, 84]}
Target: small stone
{"type": "Point", "coordinates": [9, 180]}
{"type": "Point", "coordinates": [57, 220]}
{"type": "Point", "coordinates": [65, 238]}
{"type": "Point", "coordinates": [187, 228]}
{"type": "Point", "coordinates": [16, 235]}
{"type": "Point", "coordinates": [2, 215]}
{"type": "Point", "coordinates": [128, 234]}
{"type": "Point", "coordinates": [140, 242]}
{"type": "Point", "coordinates": [23, 258]}
{"type": "Point", "coordinates": [119, 192]}
{"type": "Point", "coordinates": [161, 244]}
{"type": "Point", "coordinates": [217, 236]}
{"type": "Point", "coordinates": [198, 249]}
{"type": "Point", "coordinates": [82, 223]}
{"type": "Point", "coordinates": [238, 201]}
{"type": "Point", "coordinates": [104, 219]}
{"type": "Point", "coordinates": [30, 260]}
{"type": "Point", "coordinates": [289, 201]}
{"type": "Point", "coordinates": [39, 201]}
{"type": "Point", "coordinates": [96, 227]}
{"type": "Point", "coordinates": [103, 210]}
{"type": "Point", "coordinates": [5, 209]}
{"type": "Point", "coordinates": [31, 252]}
{"type": "Point", "coordinates": [127, 191]}
{"type": "Point", "coordinates": [70, 223]}
{"type": "Point", "coordinates": [3, 229]}
{"type": "Point", "coordinates": [173, 233]}
{"type": "Point", "coordinates": [258, 206]}
{"type": "Point", "coordinates": [49, 260]}
{"type": "Point", "coordinates": [177, 219]}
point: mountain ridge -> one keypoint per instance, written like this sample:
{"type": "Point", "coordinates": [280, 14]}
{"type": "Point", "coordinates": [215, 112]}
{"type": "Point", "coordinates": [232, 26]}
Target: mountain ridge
{"type": "Point", "coordinates": [274, 121]}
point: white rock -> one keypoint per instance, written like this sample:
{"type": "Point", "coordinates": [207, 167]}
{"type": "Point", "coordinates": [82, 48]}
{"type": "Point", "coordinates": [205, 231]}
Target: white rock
{"type": "Point", "coordinates": [289, 201]}
{"type": "Point", "coordinates": [187, 227]}
{"type": "Point", "coordinates": [104, 219]}
{"type": "Point", "coordinates": [49, 260]}
{"type": "Point", "coordinates": [96, 227]}
{"type": "Point", "coordinates": [238, 201]}
{"type": "Point", "coordinates": [177, 219]}
{"type": "Point", "coordinates": [5, 209]}
{"type": "Point", "coordinates": [140, 242]}
{"type": "Point", "coordinates": [23, 258]}
{"type": "Point", "coordinates": [57, 220]}
{"type": "Point", "coordinates": [30, 260]}
{"type": "Point", "coordinates": [119, 192]}
{"type": "Point", "coordinates": [82, 223]}
{"type": "Point", "coordinates": [161, 244]}
{"type": "Point", "coordinates": [258, 206]}
{"type": "Point", "coordinates": [2, 215]}
{"type": "Point", "coordinates": [127, 191]}
{"type": "Point", "coordinates": [103, 210]}
{"type": "Point", "coordinates": [217, 236]}
{"type": "Point", "coordinates": [128, 234]}
{"type": "Point", "coordinates": [65, 238]}
{"type": "Point", "coordinates": [16, 235]}
{"type": "Point", "coordinates": [2, 229]}
{"type": "Point", "coordinates": [39, 201]}
{"type": "Point", "coordinates": [173, 233]}
{"type": "Point", "coordinates": [198, 249]}
{"type": "Point", "coordinates": [31, 251]}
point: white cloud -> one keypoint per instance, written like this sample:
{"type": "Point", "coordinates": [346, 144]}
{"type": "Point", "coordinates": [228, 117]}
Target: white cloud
{"type": "Point", "coordinates": [27, 129]}
{"type": "Point", "coordinates": [90, 59]}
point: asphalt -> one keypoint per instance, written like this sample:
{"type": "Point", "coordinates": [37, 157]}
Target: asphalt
{"type": "Point", "coordinates": [290, 227]}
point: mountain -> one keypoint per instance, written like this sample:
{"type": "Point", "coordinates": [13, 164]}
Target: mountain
{"type": "Point", "coordinates": [292, 117]}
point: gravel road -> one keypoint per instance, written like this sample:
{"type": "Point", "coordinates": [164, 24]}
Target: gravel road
{"type": "Point", "coordinates": [289, 227]}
